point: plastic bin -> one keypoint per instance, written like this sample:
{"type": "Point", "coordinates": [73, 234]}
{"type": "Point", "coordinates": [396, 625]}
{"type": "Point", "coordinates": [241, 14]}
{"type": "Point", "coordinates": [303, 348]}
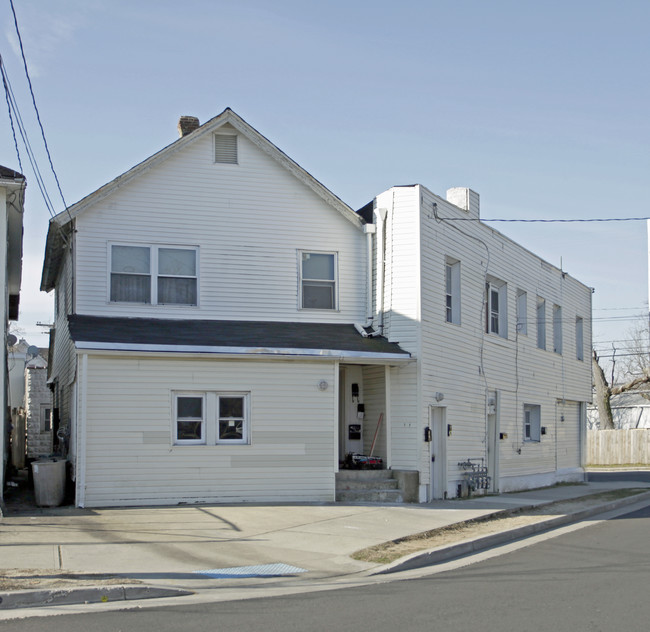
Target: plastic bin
{"type": "Point", "coordinates": [49, 482]}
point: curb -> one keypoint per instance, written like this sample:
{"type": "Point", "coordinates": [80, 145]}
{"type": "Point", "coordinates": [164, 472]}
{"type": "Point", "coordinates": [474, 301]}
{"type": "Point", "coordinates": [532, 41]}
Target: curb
{"type": "Point", "coordinates": [443, 554]}
{"type": "Point", "coordinates": [62, 596]}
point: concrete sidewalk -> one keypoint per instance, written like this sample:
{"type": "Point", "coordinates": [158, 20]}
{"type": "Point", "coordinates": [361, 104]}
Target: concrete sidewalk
{"type": "Point", "coordinates": [192, 547]}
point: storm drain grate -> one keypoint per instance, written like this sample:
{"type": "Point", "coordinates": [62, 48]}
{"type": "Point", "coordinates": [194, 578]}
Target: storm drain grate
{"type": "Point", "coordinates": [262, 570]}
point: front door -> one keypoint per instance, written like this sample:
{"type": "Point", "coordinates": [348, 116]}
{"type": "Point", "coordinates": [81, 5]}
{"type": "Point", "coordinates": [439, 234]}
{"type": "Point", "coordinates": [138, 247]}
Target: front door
{"type": "Point", "coordinates": [438, 452]}
{"type": "Point", "coordinates": [493, 441]}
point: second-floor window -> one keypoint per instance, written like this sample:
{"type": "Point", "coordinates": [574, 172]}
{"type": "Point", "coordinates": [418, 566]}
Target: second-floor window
{"type": "Point", "coordinates": [496, 319]}
{"type": "Point", "coordinates": [318, 280]}
{"type": "Point", "coordinates": [157, 275]}
{"type": "Point", "coordinates": [452, 291]}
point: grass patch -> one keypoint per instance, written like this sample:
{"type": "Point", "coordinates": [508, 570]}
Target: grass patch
{"type": "Point", "coordinates": [392, 550]}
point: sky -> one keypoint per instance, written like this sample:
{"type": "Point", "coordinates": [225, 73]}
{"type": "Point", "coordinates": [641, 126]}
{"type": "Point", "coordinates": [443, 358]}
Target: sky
{"type": "Point", "coordinates": [540, 107]}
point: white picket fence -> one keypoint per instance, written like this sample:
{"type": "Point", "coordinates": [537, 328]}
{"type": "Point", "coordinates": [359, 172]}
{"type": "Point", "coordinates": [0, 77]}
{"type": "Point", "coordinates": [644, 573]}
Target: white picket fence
{"type": "Point", "coordinates": [618, 447]}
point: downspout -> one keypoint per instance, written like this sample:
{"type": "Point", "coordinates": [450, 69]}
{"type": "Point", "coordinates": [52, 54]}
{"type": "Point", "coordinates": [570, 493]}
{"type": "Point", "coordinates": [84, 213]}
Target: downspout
{"type": "Point", "coordinates": [381, 248]}
{"type": "Point", "coordinates": [369, 230]}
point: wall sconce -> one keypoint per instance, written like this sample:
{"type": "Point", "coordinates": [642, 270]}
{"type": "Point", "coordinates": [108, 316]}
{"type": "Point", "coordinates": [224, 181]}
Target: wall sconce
{"type": "Point", "coordinates": [503, 435]}
{"type": "Point", "coordinates": [439, 396]}
{"type": "Point", "coordinates": [323, 385]}
{"type": "Point", "coordinates": [449, 430]}
{"type": "Point", "coordinates": [543, 430]}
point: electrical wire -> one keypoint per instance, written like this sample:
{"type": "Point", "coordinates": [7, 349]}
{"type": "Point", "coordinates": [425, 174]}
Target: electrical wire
{"type": "Point", "coordinates": [547, 221]}
{"type": "Point", "coordinates": [38, 116]}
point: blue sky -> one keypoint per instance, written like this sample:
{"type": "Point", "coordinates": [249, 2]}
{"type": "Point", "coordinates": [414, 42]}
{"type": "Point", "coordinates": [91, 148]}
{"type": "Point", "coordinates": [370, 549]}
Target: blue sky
{"type": "Point", "coordinates": [540, 107]}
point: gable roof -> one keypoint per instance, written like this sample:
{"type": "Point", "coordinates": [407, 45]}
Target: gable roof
{"type": "Point", "coordinates": [61, 223]}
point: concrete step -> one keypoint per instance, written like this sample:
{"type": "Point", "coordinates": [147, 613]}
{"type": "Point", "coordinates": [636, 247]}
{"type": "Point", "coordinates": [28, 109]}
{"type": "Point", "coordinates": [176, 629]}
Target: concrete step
{"type": "Point", "coordinates": [345, 475]}
{"type": "Point", "coordinates": [359, 484]}
{"type": "Point", "coordinates": [369, 496]}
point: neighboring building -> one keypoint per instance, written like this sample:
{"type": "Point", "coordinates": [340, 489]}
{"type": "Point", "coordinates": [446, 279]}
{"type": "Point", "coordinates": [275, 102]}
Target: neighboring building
{"type": "Point", "coordinates": [38, 408]}
{"type": "Point", "coordinates": [12, 196]}
{"type": "Point", "coordinates": [629, 411]}
{"type": "Point", "coordinates": [227, 329]}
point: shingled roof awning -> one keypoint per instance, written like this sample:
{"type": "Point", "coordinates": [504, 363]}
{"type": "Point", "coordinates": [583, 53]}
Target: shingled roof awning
{"type": "Point", "coordinates": [229, 337]}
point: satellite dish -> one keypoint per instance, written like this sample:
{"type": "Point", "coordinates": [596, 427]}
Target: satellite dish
{"type": "Point", "coordinates": [11, 340]}
{"type": "Point", "coordinates": [32, 351]}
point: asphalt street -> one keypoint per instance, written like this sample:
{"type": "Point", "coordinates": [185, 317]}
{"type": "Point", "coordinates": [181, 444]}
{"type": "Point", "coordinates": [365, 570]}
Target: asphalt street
{"type": "Point", "coordinates": [590, 579]}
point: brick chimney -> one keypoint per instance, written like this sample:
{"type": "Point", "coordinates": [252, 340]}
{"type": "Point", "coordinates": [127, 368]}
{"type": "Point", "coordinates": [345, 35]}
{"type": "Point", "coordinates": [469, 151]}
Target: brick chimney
{"type": "Point", "coordinates": [187, 124]}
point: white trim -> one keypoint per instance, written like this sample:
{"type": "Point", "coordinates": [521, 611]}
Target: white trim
{"type": "Point", "coordinates": [238, 351]}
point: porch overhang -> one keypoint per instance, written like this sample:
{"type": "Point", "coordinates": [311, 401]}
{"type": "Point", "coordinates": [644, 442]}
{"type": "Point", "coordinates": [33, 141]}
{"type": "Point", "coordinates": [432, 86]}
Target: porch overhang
{"type": "Point", "coordinates": [232, 339]}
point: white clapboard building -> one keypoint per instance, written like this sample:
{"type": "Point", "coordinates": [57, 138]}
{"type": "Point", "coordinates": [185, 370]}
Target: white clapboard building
{"type": "Point", "coordinates": [227, 329]}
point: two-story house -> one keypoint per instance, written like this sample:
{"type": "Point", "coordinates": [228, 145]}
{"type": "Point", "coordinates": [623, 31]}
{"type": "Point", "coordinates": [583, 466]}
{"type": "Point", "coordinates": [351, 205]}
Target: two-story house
{"type": "Point", "coordinates": [227, 330]}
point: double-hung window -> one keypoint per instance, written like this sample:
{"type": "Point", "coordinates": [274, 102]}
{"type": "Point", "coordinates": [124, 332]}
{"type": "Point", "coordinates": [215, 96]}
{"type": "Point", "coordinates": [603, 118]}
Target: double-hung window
{"type": "Point", "coordinates": [452, 291]}
{"type": "Point", "coordinates": [580, 351]}
{"type": "Point", "coordinates": [318, 280]}
{"type": "Point", "coordinates": [496, 320]}
{"type": "Point", "coordinates": [211, 418]}
{"type": "Point", "coordinates": [156, 275]}
{"type": "Point", "coordinates": [522, 312]}
{"type": "Point", "coordinates": [190, 418]}
{"type": "Point", "coordinates": [541, 323]}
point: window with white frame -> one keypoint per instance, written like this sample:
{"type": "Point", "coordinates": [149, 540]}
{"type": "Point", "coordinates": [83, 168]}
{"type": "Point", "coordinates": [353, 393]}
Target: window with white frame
{"type": "Point", "coordinates": [211, 418]}
{"type": "Point", "coordinates": [541, 323]}
{"type": "Point", "coordinates": [522, 313]}
{"type": "Point", "coordinates": [496, 306]}
{"type": "Point", "coordinates": [189, 418]}
{"type": "Point", "coordinates": [318, 280]}
{"type": "Point", "coordinates": [532, 422]}
{"type": "Point", "coordinates": [452, 291]}
{"type": "Point", "coordinates": [557, 329]}
{"type": "Point", "coordinates": [580, 351]}
{"type": "Point", "coordinates": [156, 275]}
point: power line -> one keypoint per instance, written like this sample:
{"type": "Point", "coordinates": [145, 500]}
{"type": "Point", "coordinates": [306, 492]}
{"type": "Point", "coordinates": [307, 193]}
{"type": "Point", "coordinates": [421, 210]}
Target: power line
{"type": "Point", "coordinates": [38, 116]}
{"type": "Point", "coordinates": [547, 221]}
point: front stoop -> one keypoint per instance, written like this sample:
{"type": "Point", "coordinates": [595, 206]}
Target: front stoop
{"type": "Point", "coordinates": [368, 486]}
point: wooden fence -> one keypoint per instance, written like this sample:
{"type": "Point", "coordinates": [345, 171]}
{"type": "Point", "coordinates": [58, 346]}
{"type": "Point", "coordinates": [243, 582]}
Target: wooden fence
{"type": "Point", "coordinates": [618, 447]}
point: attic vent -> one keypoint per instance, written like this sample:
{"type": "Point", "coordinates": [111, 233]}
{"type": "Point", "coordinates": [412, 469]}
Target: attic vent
{"type": "Point", "coordinates": [225, 148]}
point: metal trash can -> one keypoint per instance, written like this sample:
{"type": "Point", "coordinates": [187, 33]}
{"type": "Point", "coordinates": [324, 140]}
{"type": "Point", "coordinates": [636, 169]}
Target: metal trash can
{"type": "Point", "coordinates": [49, 481]}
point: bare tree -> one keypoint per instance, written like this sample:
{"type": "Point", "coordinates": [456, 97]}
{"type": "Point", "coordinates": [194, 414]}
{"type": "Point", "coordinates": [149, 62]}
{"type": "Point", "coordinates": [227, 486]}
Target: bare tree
{"type": "Point", "coordinates": [605, 390]}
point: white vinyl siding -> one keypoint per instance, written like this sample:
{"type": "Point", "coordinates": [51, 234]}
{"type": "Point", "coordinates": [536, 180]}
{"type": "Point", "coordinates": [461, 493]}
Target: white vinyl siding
{"type": "Point", "coordinates": [131, 457]}
{"type": "Point", "coordinates": [247, 222]}
{"type": "Point", "coordinates": [463, 364]}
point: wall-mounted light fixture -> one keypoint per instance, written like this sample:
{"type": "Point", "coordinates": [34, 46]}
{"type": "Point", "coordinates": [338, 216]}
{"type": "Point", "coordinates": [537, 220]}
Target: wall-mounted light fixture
{"type": "Point", "coordinates": [449, 430]}
{"type": "Point", "coordinates": [323, 385]}
{"type": "Point", "coordinates": [439, 396]}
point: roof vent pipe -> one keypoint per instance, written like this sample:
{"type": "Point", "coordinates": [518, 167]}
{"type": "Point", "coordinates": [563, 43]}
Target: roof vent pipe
{"type": "Point", "coordinates": [187, 124]}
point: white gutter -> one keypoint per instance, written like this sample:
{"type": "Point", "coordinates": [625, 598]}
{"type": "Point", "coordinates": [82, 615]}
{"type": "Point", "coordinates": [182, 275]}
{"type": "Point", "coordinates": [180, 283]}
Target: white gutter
{"type": "Point", "coordinates": [240, 351]}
